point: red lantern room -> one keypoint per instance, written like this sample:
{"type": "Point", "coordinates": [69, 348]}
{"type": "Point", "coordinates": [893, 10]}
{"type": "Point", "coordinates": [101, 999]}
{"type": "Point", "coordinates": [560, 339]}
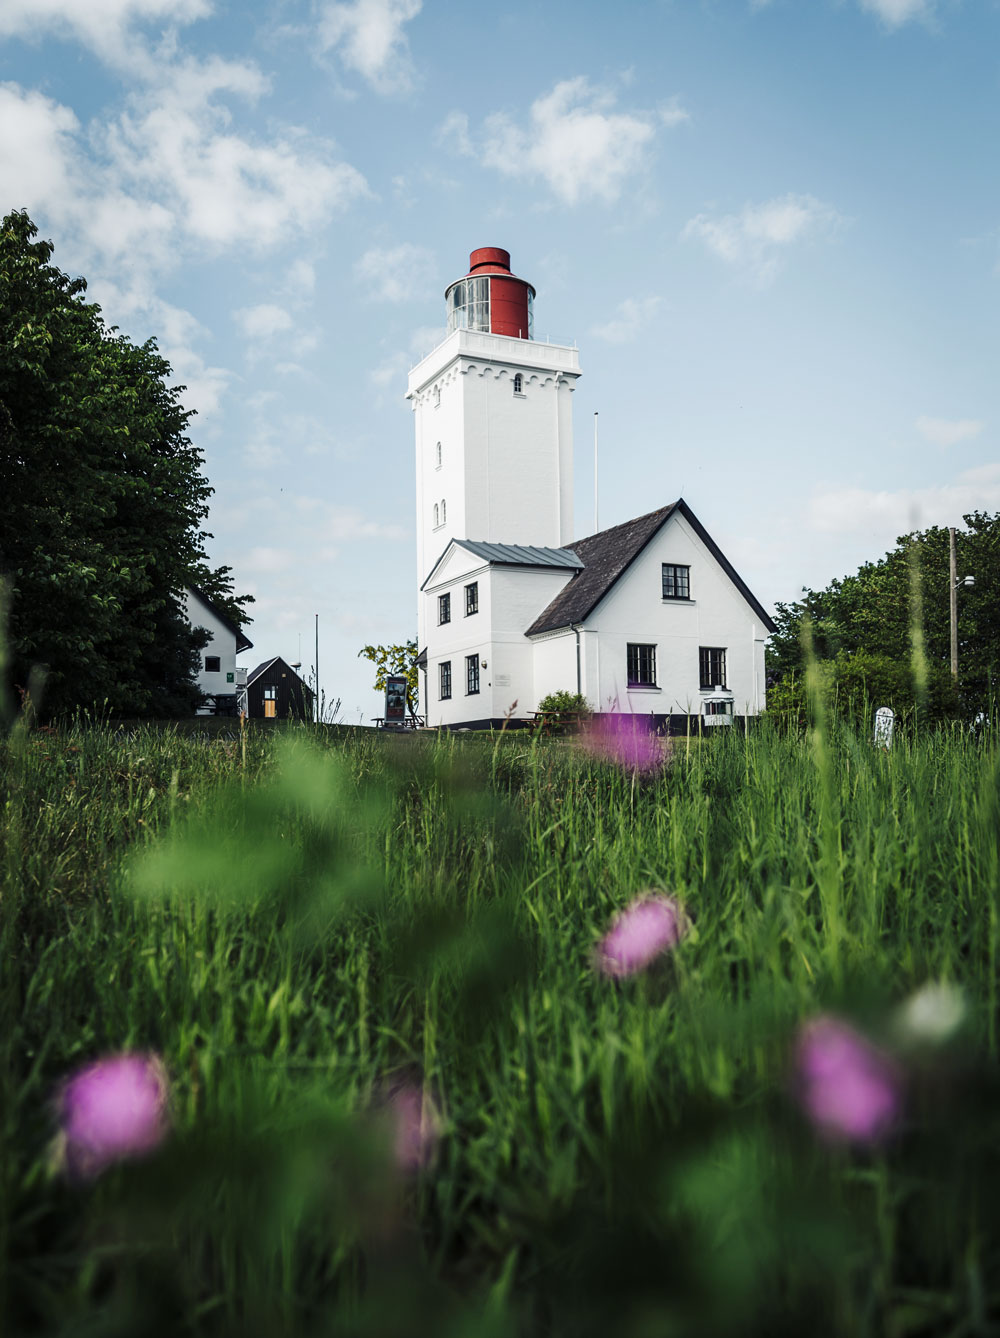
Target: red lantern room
{"type": "Point", "coordinates": [490, 298]}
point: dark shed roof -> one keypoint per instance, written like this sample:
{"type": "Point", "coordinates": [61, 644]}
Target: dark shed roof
{"type": "Point", "coordinates": [513, 555]}
{"type": "Point", "coordinates": [608, 554]}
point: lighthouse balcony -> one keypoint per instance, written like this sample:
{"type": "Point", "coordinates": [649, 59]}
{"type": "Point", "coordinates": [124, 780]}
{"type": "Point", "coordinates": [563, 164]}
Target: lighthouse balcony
{"type": "Point", "coordinates": [465, 343]}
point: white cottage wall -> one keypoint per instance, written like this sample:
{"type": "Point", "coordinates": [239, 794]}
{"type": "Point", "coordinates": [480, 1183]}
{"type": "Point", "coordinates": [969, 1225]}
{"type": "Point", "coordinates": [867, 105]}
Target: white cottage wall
{"type": "Point", "coordinates": [222, 643]}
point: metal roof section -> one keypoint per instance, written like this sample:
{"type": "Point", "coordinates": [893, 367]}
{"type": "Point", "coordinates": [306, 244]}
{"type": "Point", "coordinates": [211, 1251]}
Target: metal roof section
{"type": "Point", "coordinates": [511, 555]}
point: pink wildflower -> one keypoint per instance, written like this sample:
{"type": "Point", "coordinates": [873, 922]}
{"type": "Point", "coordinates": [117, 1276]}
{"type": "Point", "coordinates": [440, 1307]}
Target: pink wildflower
{"type": "Point", "coordinates": [111, 1110]}
{"type": "Point", "coordinates": [416, 1127]}
{"type": "Point", "coordinates": [625, 740]}
{"type": "Point", "coordinates": [650, 926]}
{"type": "Point", "coordinates": [849, 1088]}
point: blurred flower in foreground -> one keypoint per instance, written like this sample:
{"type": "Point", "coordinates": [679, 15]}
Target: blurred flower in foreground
{"type": "Point", "coordinates": [113, 1109]}
{"type": "Point", "coordinates": [416, 1127]}
{"type": "Point", "coordinates": [849, 1088]}
{"type": "Point", "coordinates": [626, 740]}
{"type": "Point", "coordinates": [932, 1015]}
{"type": "Point", "coordinates": [639, 934]}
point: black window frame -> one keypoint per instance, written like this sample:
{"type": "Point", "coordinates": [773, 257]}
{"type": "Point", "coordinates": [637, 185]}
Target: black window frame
{"type": "Point", "coordinates": [444, 608]}
{"type": "Point", "coordinates": [640, 657]}
{"type": "Point", "coordinates": [444, 681]}
{"type": "Point", "coordinates": [213, 664]}
{"type": "Point", "coordinates": [712, 667]}
{"type": "Point", "coordinates": [471, 675]}
{"type": "Point", "coordinates": [518, 384]}
{"type": "Point", "coordinates": [680, 586]}
{"type": "Point", "coordinates": [471, 598]}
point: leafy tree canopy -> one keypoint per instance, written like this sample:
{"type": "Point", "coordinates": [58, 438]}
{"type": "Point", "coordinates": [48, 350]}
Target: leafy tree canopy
{"type": "Point", "coordinates": [102, 501]}
{"type": "Point", "coordinates": [398, 659]}
{"type": "Point", "coordinates": [863, 626]}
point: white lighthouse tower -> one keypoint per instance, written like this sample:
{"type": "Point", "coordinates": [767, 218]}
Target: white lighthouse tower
{"type": "Point", "coordinates": [494, 422]}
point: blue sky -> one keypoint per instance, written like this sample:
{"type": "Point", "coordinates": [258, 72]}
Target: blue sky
{"type": "Point", "coordinates": [773, 229]}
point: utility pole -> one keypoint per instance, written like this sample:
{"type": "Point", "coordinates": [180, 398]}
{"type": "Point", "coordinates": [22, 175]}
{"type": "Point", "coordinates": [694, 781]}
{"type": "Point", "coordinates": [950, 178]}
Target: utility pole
{"type": "Point", "coordinates": [316, 703]}
{"type": "Point", "coordinates": [596, 525]}
{"type": "Point", "coordinates": [953, 602]}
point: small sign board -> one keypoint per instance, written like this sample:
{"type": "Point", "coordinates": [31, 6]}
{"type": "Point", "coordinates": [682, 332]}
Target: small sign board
{"type": "Point", "coordinates": [885, 718]}
{"type": "Point", "coordinates": [395, 699]}
{"type": "Point", "coordinates": [230, 678]}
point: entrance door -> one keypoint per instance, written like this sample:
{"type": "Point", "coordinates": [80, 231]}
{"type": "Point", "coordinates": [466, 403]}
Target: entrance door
{"type": "Point", "coordinates": [270, 703]}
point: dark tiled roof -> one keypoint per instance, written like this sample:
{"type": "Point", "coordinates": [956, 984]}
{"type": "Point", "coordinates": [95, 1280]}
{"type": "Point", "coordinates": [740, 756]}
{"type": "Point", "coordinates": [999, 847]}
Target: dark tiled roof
{"type": "Point", "coordinates": [607, 556]}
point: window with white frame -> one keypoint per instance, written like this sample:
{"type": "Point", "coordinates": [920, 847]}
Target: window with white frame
{"type": "Point", "coordinates": [471, 675]}
{"type": "Point", "coordinates": [472, 598]}
{"type": "Point", "coordinates": [444, 680]}
{"type": "Point", "coordinates": [640, 665]}
{"type": "Point", "coordinates": [676, 581]}
{"type": "Point", "coordinates": [444, 512]}
{"type": "Point", "coordinates": [444, 608]}
{"type": "Point", "coordinates": [437, 456]}
{"type": "Point", "coordinates": [712, 666]}
{"type": "Point", "coordinates": [518, 383]}
{"type": "Point", "coordinates": [437, 515]}
{"type": "Point", "coordinates": [437, 396]}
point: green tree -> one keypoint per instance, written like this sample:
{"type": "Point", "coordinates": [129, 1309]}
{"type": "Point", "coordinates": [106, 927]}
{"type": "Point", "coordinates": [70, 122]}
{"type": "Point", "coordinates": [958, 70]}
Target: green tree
{"type": "Point", "coordinates": [103, 498]}
{"type": "Point", "coordinates": [399, 659]}
{"type": "Point", "coordinates": [874, 613]}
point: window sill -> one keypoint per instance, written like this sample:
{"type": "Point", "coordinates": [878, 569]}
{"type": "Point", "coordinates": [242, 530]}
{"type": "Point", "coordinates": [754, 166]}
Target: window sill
{"type": "Point", "coordinates": [519, 395]}
{"type": "Point", "coordinates": [716, 687]}
{"type": "Point", "coordinates": [677, 599]}
{"type": "Point", "coordinates": [473, 694]}
{"type": "Point", "coordinates": [643, 687]}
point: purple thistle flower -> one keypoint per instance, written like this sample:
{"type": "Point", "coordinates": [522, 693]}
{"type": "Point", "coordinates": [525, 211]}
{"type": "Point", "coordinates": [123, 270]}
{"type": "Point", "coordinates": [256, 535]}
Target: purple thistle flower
{"type": "Point", "coordinates": [650, 926]}
{"type": "Point", "coordinates": [849, 1088]}
{"type": "Point", "coordinates": [416, 1127]}
{"type": "Point", "coordinates": [625, 740]}
{"type": "Point", "coordinates": [113, 1109]}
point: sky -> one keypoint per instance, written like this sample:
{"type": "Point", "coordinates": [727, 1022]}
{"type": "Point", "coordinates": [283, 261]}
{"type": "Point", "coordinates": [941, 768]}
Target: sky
{"type": "Point", "coordinates": [771, 227]}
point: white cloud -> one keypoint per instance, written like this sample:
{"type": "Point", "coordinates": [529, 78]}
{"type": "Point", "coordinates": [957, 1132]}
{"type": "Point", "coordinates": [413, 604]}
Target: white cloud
{"type": "Point", "coordinates": [369, 38]}
{"type": "Point", "coordinates": [37, 150]}
{"type": "Point", "coordinates": [105, 26]}
{"type": "Point", "coordinates": [890, 514]}
{"type": "Point", "coordinates": [575, 141]}
{"type": "Point", "coordinates": [948, 431]}
{"type": "Point", "coordinates": [397, 274]}
{"type": "Point", "coordinates": [894, 13]}
{"type": "Point", "coordinates": [263, 321]}
{"type": "Point", "coordinates": [631, 317]}
{"type": "Point", "coordinates": [754, 239]}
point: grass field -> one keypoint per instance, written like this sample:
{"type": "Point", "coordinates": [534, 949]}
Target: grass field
{"type": "Point", "coordinates": [302, 924]}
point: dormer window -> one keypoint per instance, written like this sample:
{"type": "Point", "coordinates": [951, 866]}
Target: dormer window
{"type": "Point", "coordinates": [518, 384]}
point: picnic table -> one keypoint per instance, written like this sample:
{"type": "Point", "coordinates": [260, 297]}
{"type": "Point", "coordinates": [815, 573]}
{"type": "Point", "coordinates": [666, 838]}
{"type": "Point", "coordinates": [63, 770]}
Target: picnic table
{"type": "Point", "coordinates": [407, 722]}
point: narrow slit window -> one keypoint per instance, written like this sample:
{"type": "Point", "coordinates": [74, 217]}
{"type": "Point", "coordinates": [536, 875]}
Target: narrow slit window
{"type": "Point", "coordinates": [437, 515]}
{"type": "Point", "coordinates": [518, 384]}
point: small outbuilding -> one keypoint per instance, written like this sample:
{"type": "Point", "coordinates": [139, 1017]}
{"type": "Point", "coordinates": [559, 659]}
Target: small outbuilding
{"type": "Point", "coordinates": [276, 692]}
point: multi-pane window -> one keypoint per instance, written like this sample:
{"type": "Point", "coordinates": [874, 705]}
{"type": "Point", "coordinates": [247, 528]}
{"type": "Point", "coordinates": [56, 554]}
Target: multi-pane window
{"type": "Point", "coordinates": [712, 666]}
{"type": "Point", "coordinates": [518, 383]}
{"type": "Point", "coordinates": [213, 664]}
{"type": "Point", "coordinates": [444, 680]}
{"type": "Point", "coordinates": [444, 608]}
{"type": "Point", "coordinates": [641, 665]}
{"type": "Point", "coordinates": [471, 674]}
{"type": "Point", "coordinates": [472, 598]}
{"type": "Point", "coordinates": [676, 581]}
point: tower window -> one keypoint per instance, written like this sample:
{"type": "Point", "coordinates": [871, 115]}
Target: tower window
{"type": "Point", "coordinates": [444, 511]}
{"type": "Point", "coordinates": [518, 384]}
{"type": "Point", "coordinates": [437, 515]}
{"type": "Point", "coordinates": [437, 396]}
{"type": "Point", "coordinates": [437, 455]}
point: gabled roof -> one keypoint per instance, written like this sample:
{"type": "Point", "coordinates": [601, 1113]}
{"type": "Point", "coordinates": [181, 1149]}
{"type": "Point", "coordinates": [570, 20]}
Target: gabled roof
{"type": "Point", "coordinates": [607, 555]}
{"type": "Point", "coordinates": [254, 674]}
{"type": "Point", "coordinates": [514, 555]}
{"type": "Point", "coordinates": [243, 642]}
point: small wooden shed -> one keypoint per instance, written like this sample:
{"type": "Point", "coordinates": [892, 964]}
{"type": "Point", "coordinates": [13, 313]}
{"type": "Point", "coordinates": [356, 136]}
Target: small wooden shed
{"type": "Point", "coordinates": [276, 692]}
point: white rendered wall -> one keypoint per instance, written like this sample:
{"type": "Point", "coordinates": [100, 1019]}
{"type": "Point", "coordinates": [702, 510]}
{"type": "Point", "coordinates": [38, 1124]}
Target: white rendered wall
{"type": "Point", "coordinates": [634, 611]}
{"type": "Point", "coordinates": [222, 643]}
{"type": "Point", "coordinates": [506, 471]}
{"type": "Point", "coordinates": [510, 598]}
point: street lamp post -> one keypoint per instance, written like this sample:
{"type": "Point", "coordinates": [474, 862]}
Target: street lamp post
{"type": "Point", "coordinates": [953, 584]}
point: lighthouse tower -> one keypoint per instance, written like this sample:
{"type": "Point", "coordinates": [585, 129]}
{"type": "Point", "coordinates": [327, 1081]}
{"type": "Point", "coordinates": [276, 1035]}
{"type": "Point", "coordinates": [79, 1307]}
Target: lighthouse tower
{"type": "Point", "coordinates": [494, 421]}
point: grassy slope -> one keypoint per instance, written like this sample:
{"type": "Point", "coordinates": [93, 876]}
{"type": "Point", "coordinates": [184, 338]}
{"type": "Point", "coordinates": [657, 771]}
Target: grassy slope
{"type": "Point", "coordinates": [322, 920]}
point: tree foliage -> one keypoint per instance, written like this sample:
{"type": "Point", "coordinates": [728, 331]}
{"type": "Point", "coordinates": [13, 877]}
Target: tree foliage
{"type": "Point", "coordinates": [863, 626]}
{"type": "Point", "coordinates": [398, 659]}
{"type": "Point", "coordinates": [103, 498]}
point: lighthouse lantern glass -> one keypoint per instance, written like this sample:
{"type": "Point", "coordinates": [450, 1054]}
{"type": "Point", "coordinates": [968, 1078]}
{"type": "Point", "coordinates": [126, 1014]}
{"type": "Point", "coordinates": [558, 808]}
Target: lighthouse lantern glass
{"type": "Point", "coordinates": [469, 305]}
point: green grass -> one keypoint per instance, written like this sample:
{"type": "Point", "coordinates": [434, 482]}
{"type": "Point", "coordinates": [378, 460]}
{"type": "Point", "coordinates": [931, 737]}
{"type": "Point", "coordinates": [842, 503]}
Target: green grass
{"type": "Point", "coordinates": [295, 921]}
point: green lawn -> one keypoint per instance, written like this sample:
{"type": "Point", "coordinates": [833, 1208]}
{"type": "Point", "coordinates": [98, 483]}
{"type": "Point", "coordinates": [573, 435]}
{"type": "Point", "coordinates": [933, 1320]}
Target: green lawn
{"type": "Point", "coordinates": [298, 922]}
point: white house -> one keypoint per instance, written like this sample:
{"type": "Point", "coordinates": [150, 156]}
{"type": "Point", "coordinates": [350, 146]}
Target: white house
{"type": "Point", "coordinates": [217, 676]}
{"type": "Point", "coordinates": [646, 618]}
